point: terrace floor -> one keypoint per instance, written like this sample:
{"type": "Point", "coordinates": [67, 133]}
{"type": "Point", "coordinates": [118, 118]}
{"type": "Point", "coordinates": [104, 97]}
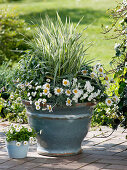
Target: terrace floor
{"type": "Point", "coordinates": [98, 153]}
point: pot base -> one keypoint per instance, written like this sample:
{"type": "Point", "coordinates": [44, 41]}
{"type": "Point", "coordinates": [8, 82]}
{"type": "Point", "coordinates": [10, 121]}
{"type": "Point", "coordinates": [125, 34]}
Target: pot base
{"type": "Point", "coordinates": [58, 154]}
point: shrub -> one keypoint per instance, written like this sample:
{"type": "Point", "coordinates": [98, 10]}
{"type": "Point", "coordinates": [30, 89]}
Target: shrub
{"type": "Point", "coordinates": [12, 29]}
{"type": "Point", "coordinates": [118, 31]}
{"type": "Point", "coordinates": [5, 74]}
{"type": "Point", "coordinates": [11, 107]}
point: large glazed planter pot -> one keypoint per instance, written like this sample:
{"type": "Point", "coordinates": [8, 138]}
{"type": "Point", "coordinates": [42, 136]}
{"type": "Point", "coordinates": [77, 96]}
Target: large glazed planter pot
{"type": "Point", "coordinates": [61, 132]}
{"type": "Point", "coordinates": [16, 151]}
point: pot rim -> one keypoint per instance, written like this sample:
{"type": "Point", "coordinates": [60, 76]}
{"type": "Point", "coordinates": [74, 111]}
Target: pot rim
{"type": "Point", "coordinates": [53, 115]}
{"type": "Point", "coordinates": [27, 103]}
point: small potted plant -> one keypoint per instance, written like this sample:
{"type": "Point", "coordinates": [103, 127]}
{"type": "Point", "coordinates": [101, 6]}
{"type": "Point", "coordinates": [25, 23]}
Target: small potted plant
{"type": "Point", "coordinates": [17, 141]}
{"type": "Point", "coordinates": [59, 87]}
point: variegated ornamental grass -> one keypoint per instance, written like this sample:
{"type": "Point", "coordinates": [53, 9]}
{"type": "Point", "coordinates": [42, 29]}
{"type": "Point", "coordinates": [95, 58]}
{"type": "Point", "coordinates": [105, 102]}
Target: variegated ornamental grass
{"type": "Point", "coordinates": [55, 71]}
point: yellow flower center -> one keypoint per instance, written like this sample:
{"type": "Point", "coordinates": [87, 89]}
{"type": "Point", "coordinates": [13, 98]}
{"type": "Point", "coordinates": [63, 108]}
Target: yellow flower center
{"type": "Point", "coordinates": [58, 90]}
{"type": "Point", "coordinates": [84, 71]}
{"type": "Point", "coordinates": [106, 77]}
{"type": "Point", "coordinates": [114, 99]}
{"type": "Point", "coordinates": [45, 90]}
{"type": "Point", "coordinates": [48, 85]}
{"type": "Point", "coordinates": [65, 82]}
{"type": "Point", "coordinates": [75, 91]}
{"type": "Point", "coordinates": [100, 69]}
{"type": "Point", "coordinates": [49, 107]}
{"type": "Point", "coordinates": [68, 92]}
{"type": "Point", "coordinates": [68, 101]}
{"type": "Point", "coordinates": [109, 101]}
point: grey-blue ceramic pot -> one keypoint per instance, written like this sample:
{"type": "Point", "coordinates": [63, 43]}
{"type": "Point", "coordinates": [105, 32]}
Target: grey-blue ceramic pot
{"type": "Point", "coordinates": [15, 151]}
{"type": "Point", "coordinates": [61, 132]}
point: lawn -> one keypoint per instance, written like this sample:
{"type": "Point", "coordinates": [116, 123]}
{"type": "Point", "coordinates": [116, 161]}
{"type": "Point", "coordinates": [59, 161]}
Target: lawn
{"type": "Point", "coordinates": [94, 12]}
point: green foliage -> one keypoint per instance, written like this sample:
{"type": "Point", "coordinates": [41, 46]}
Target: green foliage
{"type": "Point", "coordinates": [19, 133]}
{"type": "Point", "coordinates": [6, 73]}
{"type": "Point", "coordinates": [12, 30]}
{"type": "Point", "coordinates": [102, 115]}
{"type": "Point", "coordinates": [60, 48]}
{"type": "Point", "coordinates": [11, 107]}
{"type": "Point", "coordinates": [118, 31]}
{"type": "Point", "coordinates": [58, 53]}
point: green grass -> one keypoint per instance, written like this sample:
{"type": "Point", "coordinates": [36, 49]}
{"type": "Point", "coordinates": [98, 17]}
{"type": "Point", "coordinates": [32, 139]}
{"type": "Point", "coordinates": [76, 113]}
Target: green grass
{"type": "Point", "coordinates": [94, 12]}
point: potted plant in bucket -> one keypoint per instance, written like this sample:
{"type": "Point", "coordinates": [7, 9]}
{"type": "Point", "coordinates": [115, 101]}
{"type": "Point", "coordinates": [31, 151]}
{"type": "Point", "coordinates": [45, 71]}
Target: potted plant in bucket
{"type": "Point", "coordinates": [59, 87]}
{"type": "Point", "coordinates": [17, 140]}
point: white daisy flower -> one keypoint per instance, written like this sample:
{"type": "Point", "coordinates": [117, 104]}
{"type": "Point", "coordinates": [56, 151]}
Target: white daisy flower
{"type": "Point", "coordinates": [49, 95]}
{"type": "Point", "coordinates": [46, 86]}
{"type": "Point", "coordinates": [46, 91]}
{"type": "Point", "coordinates": [48, 80]}
{"type": "Point", "coordinates": [15, 126]}
{"type": "Point", "coordinates": [68, 92]}
{"type": "Point", "coordinates": [75, 91]}
{"type": "Point", "coordinates": [19, 98]}
{"type": "Point", "coordinates": [18, 143]}
{"type": "Point", "coordinates": [30, 86]}
{"type": "Point", "coordinates": [29, 130]}
{"type": "Point", "coordinates": [44, 101]}
{"type": "Point", "coordinates": [25, 142]}
{"type": "Point", "coordinates": [39, 100]}
{"type": "Point", "coordinates": [17, 129]}
{"type": "Point", "coordinates": [66, 82]}
{"type": "Point", "coordinates": [58, 91]}
{"type": "Point", "coordinates": [115, 99]}
{"type": "Point", "coordinates": [68, 102]}
{"type": "Point", "coordinates": [108, 102]}
{"type": "Point", "coordinates": [11, 96]}
{"type": "Point", "coordinates": [84, 72]}
{"type": "Point", "coordinates": [37, 107]}
{"type": "Point", "coordinates": [100, 69]}
{"type": "Point", "coordinates": [49, 107]}
{"type": "Point", "coordinates": [22, 86]}
{"type": "Point", "coordinates": [37, 103]}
